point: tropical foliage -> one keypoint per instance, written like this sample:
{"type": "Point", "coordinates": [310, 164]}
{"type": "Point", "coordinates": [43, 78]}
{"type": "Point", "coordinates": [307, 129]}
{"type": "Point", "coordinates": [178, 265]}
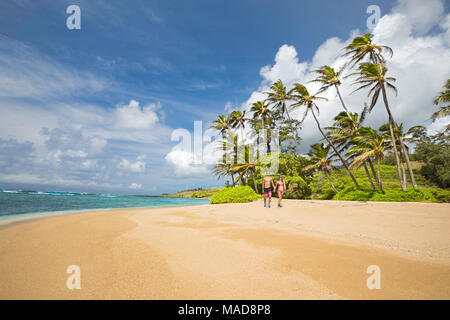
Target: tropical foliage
{"type": "Point", "coordinates": [350, 161]}
{"type": "Point", "coordinates": [237, 194]}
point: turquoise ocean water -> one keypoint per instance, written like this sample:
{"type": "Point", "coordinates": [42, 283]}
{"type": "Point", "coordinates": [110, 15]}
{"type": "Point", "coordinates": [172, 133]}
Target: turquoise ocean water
{"type": "Point", "coordinates": [22, 203]}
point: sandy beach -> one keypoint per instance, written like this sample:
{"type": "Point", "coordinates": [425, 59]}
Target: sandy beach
{"type": "Point", "coordinates": [306, 250]}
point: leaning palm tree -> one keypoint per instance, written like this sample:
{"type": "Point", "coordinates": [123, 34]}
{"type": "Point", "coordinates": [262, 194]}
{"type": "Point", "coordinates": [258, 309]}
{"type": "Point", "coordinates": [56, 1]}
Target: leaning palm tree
{"type": "Point", "coordinates": [262, 112]}
{"type": "Point", "coordinates": [362, 46]}
{"type": "Point", "coordinates": [374, 76]}
{"type": "Point", "coordinates": [223, 169]}
{"type": "Point", "coordinates": [442, 97]}
{"type": "Point", "coordinates": [303, 98]}
{"type": "Point", "coordinates": [279, 96]}
{"type": "Point", "coordinates": [416, 134]}
{"type": "Point", "coordinates": [246, 168]}
{"type": "Point", "coordinates": [369, 145]}
{"type": "Point", "coordinates": [398, 131]}
{"type": "Point", "coordinates": [344, 129]}
{"type": "Point", "coordinates": [323, 161]}
{"type": "Point", "coordinates": [328, 78]}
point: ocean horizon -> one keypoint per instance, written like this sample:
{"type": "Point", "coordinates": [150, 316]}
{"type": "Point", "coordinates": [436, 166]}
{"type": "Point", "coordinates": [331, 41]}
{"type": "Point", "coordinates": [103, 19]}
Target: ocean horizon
{"type": "Point", "coordinates": [23, 203]}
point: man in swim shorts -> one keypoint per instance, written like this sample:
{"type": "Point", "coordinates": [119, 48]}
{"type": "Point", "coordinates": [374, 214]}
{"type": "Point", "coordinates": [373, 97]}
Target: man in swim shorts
{"type": "Point", "coordinates": [268, 186]}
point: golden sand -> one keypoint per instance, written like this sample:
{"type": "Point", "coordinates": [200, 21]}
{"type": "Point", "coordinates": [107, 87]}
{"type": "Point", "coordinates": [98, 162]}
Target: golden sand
{"type": "Point", "coordinates": [306, 250]}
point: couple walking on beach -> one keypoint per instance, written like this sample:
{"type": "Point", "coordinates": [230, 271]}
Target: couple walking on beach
{"type": "Point", "coordinates": [268, 186]}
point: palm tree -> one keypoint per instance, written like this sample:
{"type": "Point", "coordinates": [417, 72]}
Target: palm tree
{"type": "Point", "coordinates": [362, 46]}
{"type": "Point", "coordinates": [238, 119]}
{"type": "Point", "coordinates": [322, 159]}
{"type": "Point", "coordinates": [369, 145]}
{"type": "Point", "coordinates": [443, 97]}
{"type": "Point", "coordinates": [416, 134]}
{"type": "Point", "coordinates": [261, 111]}
{"type": "Point", "coordinates": [224, 169]}
{"type": "Point", "coordinates": [328, 77]}
{"type": "Point", "coordinates": [303, 98]}
{"type": "Point", "coordinates": [248, 167]}
{"type": "Point", "coordinates": [279, 97]}
{"type": "Point", "coordinates": [345, 128]}
{"type": "Point", "coordinates": [374, 76]}
{"type": "Point", "coordinates": [385, 129]}
{"type": "Point", "coordinates": [222, 124]}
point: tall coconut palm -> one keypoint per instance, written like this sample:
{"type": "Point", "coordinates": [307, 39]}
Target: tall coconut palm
{"type": "Point", "coordinates": [369, 144]}
{"type": "Point", "coordinates": [328, 78]}
{"type": "Point", "coordinates": [385, 129]}
{"type": "Point", "coordinates": [223, 125]}
{"type": "Point", "coordinates": [323, 160]}
{"type": "Point", "coordinates": [374, 76]}
{"type": "Point", "coordinates": [279, 96]}
{"type": "Point", "coordinates": [261, 111]}
{"type": "Point", "coordinates": [362, 46]}
{"type": "Point", "coordinates": [303, 98]}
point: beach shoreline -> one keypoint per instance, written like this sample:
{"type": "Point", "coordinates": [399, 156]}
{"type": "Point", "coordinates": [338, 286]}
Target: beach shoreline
{"type": "Point", "coordinates": [309, 249]}
{"type": "Point", "coordinates": [40, 215]}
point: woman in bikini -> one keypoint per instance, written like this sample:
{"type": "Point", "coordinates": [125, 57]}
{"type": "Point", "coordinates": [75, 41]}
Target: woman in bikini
{"type": "Point", "coordinates": [281, 185]}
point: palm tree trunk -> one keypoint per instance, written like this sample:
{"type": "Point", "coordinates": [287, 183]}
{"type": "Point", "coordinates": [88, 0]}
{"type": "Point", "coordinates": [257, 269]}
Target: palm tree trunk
{"type": "Point", "coordinates": [266, 135]}
{"type": "Point", "coordinates": [394, 144]}
{"type": "Point", "coordinates": [403, 168]}
{"type": "Point", "coordinates": [254, 182]}
{"type": "Point", "coordinates": [380, 184]}
{"type": "Point", "coordinates": [372, 169]}
{"type": "Point", "coordinates": [370, 178]}
{"type": "Point", "coordinates": [408, 164]}
{"type": "Point", "coordinates": [342, 101]}
{"type": "Point", "coordinates": [232, 177]}
{"type": "Point", "coordinates": [329, 179]}
{"type": "Point", "coordinates": [292, 129]}
{"type": "Point", "coordinates": [337, 152]}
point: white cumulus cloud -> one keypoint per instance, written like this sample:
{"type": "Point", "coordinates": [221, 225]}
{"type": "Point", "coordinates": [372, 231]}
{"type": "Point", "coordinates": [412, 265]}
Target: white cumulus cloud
{"type": "Point", "coordinates": [134, 166]}
{"type": "Point", "coordinates": [133, 116]}
{"type": "Point", "coordinates": [136, 186]}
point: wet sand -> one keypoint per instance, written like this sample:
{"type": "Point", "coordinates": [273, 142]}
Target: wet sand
{"type": "Point", "coordinates": [305, 250]}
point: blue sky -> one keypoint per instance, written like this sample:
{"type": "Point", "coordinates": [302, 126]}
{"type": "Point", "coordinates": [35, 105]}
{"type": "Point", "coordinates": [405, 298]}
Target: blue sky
{"type": "Point", "coordinates": [182, 60]}
{"type": "Point", "coordinates": [196, 53]}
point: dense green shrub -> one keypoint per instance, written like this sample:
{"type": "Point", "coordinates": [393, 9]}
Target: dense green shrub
{"type": "Point", "coordinates": [237, 194]}
{"type": "Point", "coordinates": [440, 194]}
{"type": "Point", "coordinates": [436, 156]}
{"type": "Point", "coordinates": [397, 195]}
{"type": "Point", "coordinates": [297, 188]}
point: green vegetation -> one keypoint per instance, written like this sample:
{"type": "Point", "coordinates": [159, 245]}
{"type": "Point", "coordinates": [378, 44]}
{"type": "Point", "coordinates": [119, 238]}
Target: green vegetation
{"type": "Point", "coordinates": [352, 161]}
{"type": "Point", "coordinates": [197, 193]}
{"type": "Point", "coordinates": [321, 188]}
{"type": "Point", "coordinates": [237, 194]}
{"type": "Point", "coordinates": [436, 156]}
